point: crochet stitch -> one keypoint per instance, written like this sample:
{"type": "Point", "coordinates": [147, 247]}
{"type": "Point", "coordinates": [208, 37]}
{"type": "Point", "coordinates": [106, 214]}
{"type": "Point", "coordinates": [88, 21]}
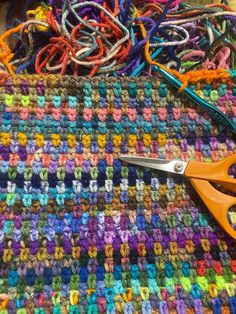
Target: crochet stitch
{"type": "Point", "coordinates": [82, 232]}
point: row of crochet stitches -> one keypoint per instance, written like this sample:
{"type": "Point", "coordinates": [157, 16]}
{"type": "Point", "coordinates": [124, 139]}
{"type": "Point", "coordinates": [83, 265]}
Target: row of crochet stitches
{"type": "Point", "coordinates": [82, 232]}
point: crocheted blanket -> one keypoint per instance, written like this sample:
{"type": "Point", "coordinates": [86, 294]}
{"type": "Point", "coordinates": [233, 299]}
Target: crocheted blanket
{"type": "Point", "coordinates": [82, 232]}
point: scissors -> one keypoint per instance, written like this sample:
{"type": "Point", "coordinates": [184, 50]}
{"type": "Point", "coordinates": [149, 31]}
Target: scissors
{"type": "Point", "coordinates": [201, 175]}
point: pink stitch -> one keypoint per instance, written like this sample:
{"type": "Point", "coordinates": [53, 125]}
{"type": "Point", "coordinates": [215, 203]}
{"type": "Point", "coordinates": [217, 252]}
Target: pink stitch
{"type": "Point", "coordinates": [108, 237]}
{"type": "Point", "coordinates": [87, 114]}
{"type": "Point", "coordinates": [164, 293]}
{"type": "Point", "coordinates": [192, 113]}
{"type": "Point", "coordinates": [169, 155]}
{"type": "Point", "coordinates": [117, 114]}
{"type": "Point", "coordinates": [215, 155]}
{"type": "Point", "coordinates": [162, 112]}
{"type": "Point", "coordinates": [13, 160]}
{"type": "Point", "coordinates": [24, 114]}
{"type": "Point", "coordinates": [94, 160]}
{"type": "Point", "coordinates": [109, 159]}
{"type": "Point", "coordinates": [56, 114]}
{"type": "Point", "coordinates": [46, 159]}
{"type": "Point", "coordinates": [30, 160]}
{"type": "Point", "coordinates": [223, 109]}
{"type": "Point", "coordinates": [199, 156]}
{"type": "Point", "coordinates": [132, 114]}
{"type": "Point", "coordinates": [233, 110]}
{"type": "Point", "coordinates": [176, 113]}
{"type": "Point", "coordinates": [184, 156]}
{"type": "Point", "coordinates": [71, 114]}
{"type": "Point", "coordinates": [78, 160]}
{"type": "Point", "coordinates": [40, 113]}
{"type": "Point", "coordinates": [102, 114]}
{"type": "Point", "coordinates": [110, 265]}
{"type": "Point", "coordinates": [62, 160]}
{"type": "Point", "coordinates": [147, 114]}
{"type": "Point", "coordinates": [171, 208]}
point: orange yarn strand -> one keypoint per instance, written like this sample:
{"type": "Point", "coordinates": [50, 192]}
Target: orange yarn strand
{"type": "Point", "coordinates": [6, 53]}
{"type": "Point", "coordinates": [190, 77]}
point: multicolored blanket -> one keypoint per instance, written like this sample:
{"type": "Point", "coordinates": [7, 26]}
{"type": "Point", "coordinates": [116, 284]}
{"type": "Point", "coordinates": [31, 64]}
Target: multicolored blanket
{"type": "Point", "coordinates": [82, 232]}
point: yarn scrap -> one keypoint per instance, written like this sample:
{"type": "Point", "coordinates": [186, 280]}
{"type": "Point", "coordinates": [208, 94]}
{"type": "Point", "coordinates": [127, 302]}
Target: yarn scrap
{"type": "Point", "coordinates": [122, 38]}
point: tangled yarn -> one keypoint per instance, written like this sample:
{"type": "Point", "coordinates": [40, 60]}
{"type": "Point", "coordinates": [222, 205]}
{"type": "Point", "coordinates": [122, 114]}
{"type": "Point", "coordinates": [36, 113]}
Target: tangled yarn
{"type": "Point", "coordinates": [118, 38]}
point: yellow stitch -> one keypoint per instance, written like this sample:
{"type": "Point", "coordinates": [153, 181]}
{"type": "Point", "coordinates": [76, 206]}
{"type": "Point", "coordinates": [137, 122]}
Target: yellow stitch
{"type": "Point", "coordinates": [230, 288]}
{"type": "Point", "coordinates": [22, 138]}
{"type": "Point", "coordinates": [144, 291]}
{"type": "Point", "coordinates": [24, 253]}
{"type": "Point", "coordinates": [222, 245]}
{"type": "Point", "coordinates": [161, 264]}
{"type": "Point", "coordinates": [3, 304]}
{"type": "Point", "coordinates": [206, 246]}
{"type": "Point", "coordinates": [202, 281]}
{"type": "Point", "coordinates": [56, 140]}
{"type": "Point", "coordinates": [132, 139]}
{"type": "Point", "coordinates": [213, 290]}
{"type": "Point", "coordinates": [117, 139]}
{"type": "Point", "coordinates": [220, 282]}
{"type": "Point", "coordinates": [86, 140]}
{"type": "Point", "coordinates": [174, 248]}
{"type": "Point", "coordinates": [186, 284]}
{"type": "Point", "coordinates": [119, 303]}
{"type": "Point", "coordinates": [7, 255]}
{"type": "Point", "coordinates": [200, 93]}
{"type": "Point", "coordinates": [157, 248]}
{"type": "Point", "coordinates": [71, 140]}
{"type": "Point", "coordinates": [39, 139]}
{"type": "Point", "coordinates": [59, 253]}
{"type": "Point", "coordinates": [9, 100]}
{"type": "Point", "coordinates": [176, 141]}
{"type": "Point", "coordinates": [128, 295]}
{"type": "Point", "coordinates": [5, 138]}
{"type": "Point", "coordinates": [90, 291]}
{"type": "Point", "coordinates": [25, 101]}
{"type": "Point", "coordinates": [124, 249]}
{"type": "Point", "coordinates": [92, 252]}
{"type": "Point", "coordinates": [161, 138]}
{"type": "Point", "coordinates": [74, 297]}
{"type": "Point", "coordinates": [147, 140]}
{"type": "Point", "coordinates": [42, 254]}
{"type": "Point", "coordinates": [101, 140]}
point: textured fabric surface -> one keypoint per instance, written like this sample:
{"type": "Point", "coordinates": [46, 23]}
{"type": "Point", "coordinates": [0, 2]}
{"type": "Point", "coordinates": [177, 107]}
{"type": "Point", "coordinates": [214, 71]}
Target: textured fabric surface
{"type": "Point", "coordinates": [82, 232]}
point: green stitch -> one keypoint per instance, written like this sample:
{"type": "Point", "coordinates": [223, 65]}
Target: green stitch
{"type": "Point", "coordinates": [132, 89]}
{"type": "Point", "coordinates": [8, 99]}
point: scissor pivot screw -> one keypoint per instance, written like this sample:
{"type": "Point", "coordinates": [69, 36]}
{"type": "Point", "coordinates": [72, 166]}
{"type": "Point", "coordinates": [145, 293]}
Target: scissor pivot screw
{"type": "Point", "coordinates": [178, 167]}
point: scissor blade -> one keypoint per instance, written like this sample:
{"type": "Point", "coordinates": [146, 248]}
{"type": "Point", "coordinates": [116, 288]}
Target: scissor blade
{"type": "Point", "coordinates": [173, 166]}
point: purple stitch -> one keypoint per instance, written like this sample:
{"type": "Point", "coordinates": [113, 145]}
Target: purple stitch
{"type": "Point", "coordinates": [34, 247]}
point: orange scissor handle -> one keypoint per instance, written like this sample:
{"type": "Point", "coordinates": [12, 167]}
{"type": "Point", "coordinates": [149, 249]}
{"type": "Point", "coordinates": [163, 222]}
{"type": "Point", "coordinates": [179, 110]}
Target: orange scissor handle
{"type": "Point", "coordinates": [214, 172]}
{"type": "Point", "coordinates": [218, 203]}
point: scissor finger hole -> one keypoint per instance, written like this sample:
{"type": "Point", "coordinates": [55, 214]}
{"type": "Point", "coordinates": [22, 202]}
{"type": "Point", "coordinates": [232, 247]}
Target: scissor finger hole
{"type": "Point", "coordinates": [223, 189]}
{"type": "Point", "coordinates": [232, 171]}
{"type": "Point", "coordinates": [231, 216]}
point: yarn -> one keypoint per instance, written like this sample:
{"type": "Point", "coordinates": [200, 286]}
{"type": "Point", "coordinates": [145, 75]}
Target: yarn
{"type": "Point", "coordinates": [105, 37]}
{"type": "Point", "coordinates": [82, 232]}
